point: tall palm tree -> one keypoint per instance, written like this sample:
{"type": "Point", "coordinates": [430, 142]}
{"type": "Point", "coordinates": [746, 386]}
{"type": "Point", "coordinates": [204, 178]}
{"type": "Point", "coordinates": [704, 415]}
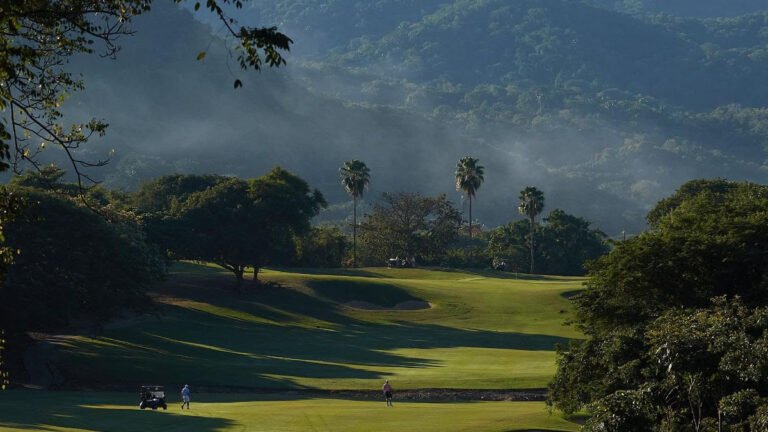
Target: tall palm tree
{"type": "Point", "coordinates": [469, 177]}
{"type": "Point", "coordinates": [355, 176]}
{"type": "Point", "coordinates": [531, 205]}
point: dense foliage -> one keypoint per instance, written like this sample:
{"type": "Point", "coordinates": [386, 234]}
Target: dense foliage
{"type": "Point", "coordinates": [563, 245]}
{"type": "Point", "coordinates": [228, 221]}
{"type": "Point", "coordinates": [72, 265]}
{"type": "Point", "coordinates": [409, 225]}
{"type": "Point", "coordinates": [700, 8]}
{"type": "Point", "coordinates": [322, 247]}
{"type": "Point", "coordinates": [675, 319]}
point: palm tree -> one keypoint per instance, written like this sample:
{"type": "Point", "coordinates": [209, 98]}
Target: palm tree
{"type": "Point", "coordinates": [355, 176]}
{"type": "Point", "coordinates": [469, 177]}
{"type": "Point", "coordinates": [531, 205]}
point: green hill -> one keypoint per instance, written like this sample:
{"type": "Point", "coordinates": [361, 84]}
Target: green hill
{"type": "Point", "coordinates": [344, 331]}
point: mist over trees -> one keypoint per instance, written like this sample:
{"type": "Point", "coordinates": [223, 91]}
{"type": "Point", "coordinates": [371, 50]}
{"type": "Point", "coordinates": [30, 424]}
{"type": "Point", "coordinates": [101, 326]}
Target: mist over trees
{"type": "Point", "coordinates": [557, 99]}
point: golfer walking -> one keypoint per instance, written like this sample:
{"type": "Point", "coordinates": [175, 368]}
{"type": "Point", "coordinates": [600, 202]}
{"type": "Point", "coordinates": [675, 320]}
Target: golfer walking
{"type": "Point", "coordinates": [387, 389]}
{"type": "Point", "coordinates": [185, 396]}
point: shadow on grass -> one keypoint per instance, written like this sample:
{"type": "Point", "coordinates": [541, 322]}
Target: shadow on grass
{"type": "Point", "coordinates": [50, 411]}
{"type": "Point", "coordinates": [571, 294]}
{"type": "Point", "coordinates": [268, 338]}
{"type": "Point", "coordinates": [354, 272]}
{"type": "Point", "coordinates": [343, 291]}
{"type": "Point", "coordinates": [512, 275]}
{"type": "Point", "coordinates": [419, 273]}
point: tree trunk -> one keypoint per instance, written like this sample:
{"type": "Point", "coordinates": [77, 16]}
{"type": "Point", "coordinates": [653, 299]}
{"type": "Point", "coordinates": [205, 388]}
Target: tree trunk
{"type": "Point", "coordinates": [470, 219]}
{"type": "Point", "coordinates": [531, 245]}
{"type": "Point", "coordinates": [354, 233]}
{"type": "Point", "coordinates": [256, 273]}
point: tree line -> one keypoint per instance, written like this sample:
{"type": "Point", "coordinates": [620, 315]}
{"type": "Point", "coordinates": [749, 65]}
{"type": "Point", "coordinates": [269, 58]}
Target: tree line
{"type": "Point", "coordinates": [432, 228]}
{"type": "Point", "coordinates": [241, 225]}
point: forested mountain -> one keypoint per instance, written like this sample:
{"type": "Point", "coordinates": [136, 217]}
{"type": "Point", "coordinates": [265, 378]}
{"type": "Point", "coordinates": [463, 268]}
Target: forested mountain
{"type": "Point", "coordinates": [570, 45]}
{"type": "Point", "coordinates": [606, 108]}
{"type": "Point", "coordinates": [693, 8]}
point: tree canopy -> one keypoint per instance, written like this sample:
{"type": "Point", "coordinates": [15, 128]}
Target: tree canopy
{"type": "Point", "coordinates": [566, 243]}
{"type": "Point", "coordinates": [72, 264]}
{"type": "Point", "coordinates": [674, 319]}
{"type": "Point", "coordinates": [228, 221]}
{"type": "Point", "coordinates": [409, 225]}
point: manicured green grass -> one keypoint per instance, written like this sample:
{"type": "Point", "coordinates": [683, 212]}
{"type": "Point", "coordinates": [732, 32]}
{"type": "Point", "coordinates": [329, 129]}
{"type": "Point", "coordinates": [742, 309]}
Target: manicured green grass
{"type": "Point", "coordinates": [485, 331]}
{"type": "Point", "coordinates": [116, 412]}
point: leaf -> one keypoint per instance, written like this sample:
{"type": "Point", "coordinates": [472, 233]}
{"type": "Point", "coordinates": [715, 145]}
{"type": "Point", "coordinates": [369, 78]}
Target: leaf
{"type": "Point", "coordinates": [201, 55]}
{"type": "Point", "coordinates": [238, 83]}
{"type": "Point", "coordinates": [197, 6]}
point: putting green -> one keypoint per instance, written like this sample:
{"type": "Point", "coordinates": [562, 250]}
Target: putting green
{"type": "Point", "coordinates": [116, 412]}
{"type": "Point", "coordinates": [484, 331]}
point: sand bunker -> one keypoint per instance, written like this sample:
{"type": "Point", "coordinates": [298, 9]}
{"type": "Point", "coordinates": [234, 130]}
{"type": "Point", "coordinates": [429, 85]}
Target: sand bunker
{"type": "Point", "coordinates": [402, 306]}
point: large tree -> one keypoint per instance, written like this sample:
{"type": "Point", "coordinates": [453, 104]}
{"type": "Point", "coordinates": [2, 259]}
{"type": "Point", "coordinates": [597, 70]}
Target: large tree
{"type": "Point", "coordinates": [674, 319]}
{"type": "Point", "coordinates": [73, 264]}
{"type": "Point", "coordinates": [409, 225]}
{"type": "Point", "coordinates": [531, 204]}
{"type": "Point", "coordinates": [39, 37]}
{"type": "Point", "coordinates": [231, 222]}
{"type": "Point", "coordinates": [469, 176]}
{"type": "Point", "coordinates": [355, 176]}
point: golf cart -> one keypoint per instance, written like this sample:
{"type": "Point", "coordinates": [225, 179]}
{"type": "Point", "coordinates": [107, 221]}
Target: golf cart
{"type": "Point", "coordinates": [152, 397]}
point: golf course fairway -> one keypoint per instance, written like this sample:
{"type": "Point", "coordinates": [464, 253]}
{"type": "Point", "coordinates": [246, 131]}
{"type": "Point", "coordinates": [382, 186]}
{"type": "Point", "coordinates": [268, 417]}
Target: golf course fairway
{"type": "Point", "coordinates": [114, 412]}
{"type": "Point", "coordinates": [265, 356]}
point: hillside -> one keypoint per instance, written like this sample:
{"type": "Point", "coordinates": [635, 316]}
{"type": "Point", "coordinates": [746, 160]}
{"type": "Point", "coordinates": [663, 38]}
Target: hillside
{"type": "Point", "coordinates": [693, 8]}
{"type": "Point", "coordinates": [605, 112]}
{"type": "Point", "coordinates": [564, 44]}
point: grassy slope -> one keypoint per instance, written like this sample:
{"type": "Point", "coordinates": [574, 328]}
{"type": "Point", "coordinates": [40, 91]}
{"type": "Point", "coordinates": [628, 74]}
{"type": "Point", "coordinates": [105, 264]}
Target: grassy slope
{"type": "Point", "coordinates": [484, 332]}
{"type": "Point", "coordinates": [65, 411]}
